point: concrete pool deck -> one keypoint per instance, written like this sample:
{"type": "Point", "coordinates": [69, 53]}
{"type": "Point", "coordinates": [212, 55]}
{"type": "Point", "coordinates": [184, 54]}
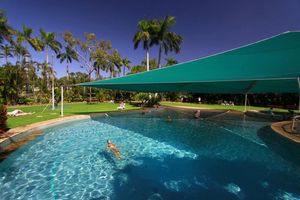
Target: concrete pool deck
{"type": "Point", "coordinates": [284, 129]}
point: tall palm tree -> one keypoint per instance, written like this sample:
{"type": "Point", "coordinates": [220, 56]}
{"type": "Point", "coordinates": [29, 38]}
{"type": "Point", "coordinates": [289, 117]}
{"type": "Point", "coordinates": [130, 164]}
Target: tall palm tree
{"type": "Point", "coordinates": [144, 34]}
{"type": "Point", "coordinates": [50, 42]}
{"type": "Point", "coordinates": [6, 52]}
{"type": "Point", "coordinates": [69, 55]}
{"type": "Point", "coordinates": [167, 40]}
{"type": "Point", "coordinates": [125, 63]}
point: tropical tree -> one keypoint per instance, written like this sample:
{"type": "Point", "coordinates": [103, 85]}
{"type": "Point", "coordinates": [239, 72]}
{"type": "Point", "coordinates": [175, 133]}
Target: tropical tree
{"type": "Point", "coordinates": [19, 51]}
{"type": "Point", "coordinates": [115, 63]}
{"type": "Point", "coordinates": [47, 73]}
{"type": "Point", "coordinates": [152, 63]}
{"type": "Point", "coordinates": [137, 69]}
{"type": "Point", "coordinates": [11, 76]}
{"type": "Point", "coordinates": [6, 52]}
{"type": "Point", "coordinates": [69, 55]}
{"type": "Point", "coordinates": [144, 34]}
{"type": "Point", "coordinates": [171, 61]}
{"type": "Point", "coordinates": [31, 76]}
{"type": "Point", "coordinates": [6, 31]}
{"type": "Point", "coordinates": [50, 42]}
{"type": "Point", "coordinates": [125, 64]}
{"type": "Point", "coordinates": [101, 61]}
{"type": "Point", "coordinates": [26, 36]}
{"type": "Point", "coordinates": [167, 40]}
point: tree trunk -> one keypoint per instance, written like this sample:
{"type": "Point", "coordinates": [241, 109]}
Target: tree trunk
{"type": "Point", "coordinates": [67, 70]}
{"type": "Point", "coordinates": [147, 59]}
{"type": "Point", "coordinates": [124, 70]}
{"type": "Point", "coordinates": [47, 56]}
{"type": "Point", "coordinates": [159, 56]}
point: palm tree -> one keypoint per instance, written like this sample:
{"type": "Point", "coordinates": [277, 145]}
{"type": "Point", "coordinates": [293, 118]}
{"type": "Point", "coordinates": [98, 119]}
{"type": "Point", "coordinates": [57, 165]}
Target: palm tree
{"type": "Point", "coordinates": [144, 34]}
{"type": "Point", "coordinates": [20, 52]}
{"type": "Point", "coordinates": [31, 74]}
{"type": "Point", "coordinates": [69, 55]}
{"type": "Point", "coordinates": [137, 69]}
{"type": "Point", "coordinates": [49, 40]}
{"type": "Point", "coordinates": [152, 63]}
{"type": "Point", "coordinates": [125, 63]}
{"type": "Point", "coordinates": [6, 31]}
{"type": "Point", "coordinates": [167, 40]}
{"type": "Point", "coordinates": [47, 72]}
{"type": "Point", "coordinates": [6, 52]}
{"type": "Point", "coordinates": [25, 36]}
{"type": "Point", "coordinates": [171, 61]}
{"type": "Point", "coordinates": [115, 61]}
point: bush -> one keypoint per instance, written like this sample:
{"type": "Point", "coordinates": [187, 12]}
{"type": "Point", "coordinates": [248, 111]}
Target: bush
{"type": "Point", "coordinates": [3, 118]}
{"type": "Point", "coordinates": [147, 99]}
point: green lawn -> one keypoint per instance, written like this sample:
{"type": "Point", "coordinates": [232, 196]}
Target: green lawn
{"type": "Point", "coordinates": [84, 108]}
{"type": "Point", "coordinates": [69, 109]}
{"type": "Point", "coordinates": [217, 106]}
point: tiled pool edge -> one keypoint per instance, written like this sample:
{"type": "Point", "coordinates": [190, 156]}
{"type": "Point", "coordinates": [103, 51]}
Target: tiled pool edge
{"type": "Point", "coordinates": [18, 133]}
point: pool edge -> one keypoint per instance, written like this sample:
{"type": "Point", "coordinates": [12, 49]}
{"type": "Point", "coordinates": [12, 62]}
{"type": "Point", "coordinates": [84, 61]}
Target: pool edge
{"type": "Point", "coordinates": [16, 134]}
{"type": "Point", "coordinates": [278, 127]}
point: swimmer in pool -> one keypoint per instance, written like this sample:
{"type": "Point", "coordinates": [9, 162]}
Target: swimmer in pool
{"type": "Point", "coordinates": [113, 148]}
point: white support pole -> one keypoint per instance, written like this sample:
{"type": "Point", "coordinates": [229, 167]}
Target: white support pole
{"type": "Point", "coordinates": [53, 100]}
{"type": "Point", "coordinates": [62, 102]}
{"type": "Point", "coordinates": [246, 98]}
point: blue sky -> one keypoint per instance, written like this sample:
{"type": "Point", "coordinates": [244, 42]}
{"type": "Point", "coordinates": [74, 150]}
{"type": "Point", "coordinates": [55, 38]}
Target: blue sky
{"type": "Point", "coordinates": [207, 26]}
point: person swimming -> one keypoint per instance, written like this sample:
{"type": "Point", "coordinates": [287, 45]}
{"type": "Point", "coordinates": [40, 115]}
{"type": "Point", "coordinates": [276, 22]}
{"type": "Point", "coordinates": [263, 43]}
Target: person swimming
{"type": "Point", "coordinates": [113, 148]}
{"type": "Point", "coordinates": [169, 119]}
{"type": "Point", "coordinates": [197, 114]}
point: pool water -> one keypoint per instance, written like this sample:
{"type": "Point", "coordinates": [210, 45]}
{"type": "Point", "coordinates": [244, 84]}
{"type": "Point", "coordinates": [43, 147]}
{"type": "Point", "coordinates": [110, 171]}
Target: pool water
{"type": "Point", "coordinates": [220, 156]}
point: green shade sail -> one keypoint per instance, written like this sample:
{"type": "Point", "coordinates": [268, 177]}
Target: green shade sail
{"type": "Point", "coordinates": [271, 65]}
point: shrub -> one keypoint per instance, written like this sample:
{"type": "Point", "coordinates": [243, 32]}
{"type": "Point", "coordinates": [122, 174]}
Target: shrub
{"type": "Point", "coordinates": [3, 118]}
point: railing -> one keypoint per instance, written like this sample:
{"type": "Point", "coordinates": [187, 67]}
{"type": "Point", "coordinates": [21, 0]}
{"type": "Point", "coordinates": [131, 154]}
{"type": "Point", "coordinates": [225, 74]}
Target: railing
{"type": "Point", "coordinates": [295, 118]}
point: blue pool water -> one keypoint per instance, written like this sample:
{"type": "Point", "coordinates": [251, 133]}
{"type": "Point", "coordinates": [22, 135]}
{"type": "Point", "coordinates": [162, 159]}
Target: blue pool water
{"type": "Point", "coordinates": [221, 156]}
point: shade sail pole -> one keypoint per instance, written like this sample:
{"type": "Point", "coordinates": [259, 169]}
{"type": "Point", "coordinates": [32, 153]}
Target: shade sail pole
{"type": "Point", "coordinates": [62, 102]}
{"type": "Point", "coordinates": [246, 93]}
{"type": "Point", "coordinates": [246, 98]}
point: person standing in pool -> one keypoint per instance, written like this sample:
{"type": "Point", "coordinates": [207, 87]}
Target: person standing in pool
{"type": "Point", "coordinates": [113, 148]}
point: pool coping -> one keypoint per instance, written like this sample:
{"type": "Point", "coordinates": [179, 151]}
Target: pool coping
{"type": "Point", "coordinates": [282, 127]}
{"type": "Point", "coordinates": [18, 133]}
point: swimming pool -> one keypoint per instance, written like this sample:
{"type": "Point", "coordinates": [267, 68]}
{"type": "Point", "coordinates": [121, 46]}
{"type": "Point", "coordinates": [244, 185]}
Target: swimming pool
{"type": "Point", "coordinates": [221, 156]}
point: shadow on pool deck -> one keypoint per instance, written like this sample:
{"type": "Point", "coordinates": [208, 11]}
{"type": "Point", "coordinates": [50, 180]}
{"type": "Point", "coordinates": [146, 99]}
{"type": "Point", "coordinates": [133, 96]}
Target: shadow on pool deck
{"type": "Point", "coordinates": [205, 178]}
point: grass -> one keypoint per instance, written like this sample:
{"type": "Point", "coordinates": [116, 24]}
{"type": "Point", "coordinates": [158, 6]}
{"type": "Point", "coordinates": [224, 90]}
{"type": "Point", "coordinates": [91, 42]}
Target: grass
{"type": "Point", "coordinates": [43, 113]}
{"type": "Point", "coordinates": [222, 107]}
